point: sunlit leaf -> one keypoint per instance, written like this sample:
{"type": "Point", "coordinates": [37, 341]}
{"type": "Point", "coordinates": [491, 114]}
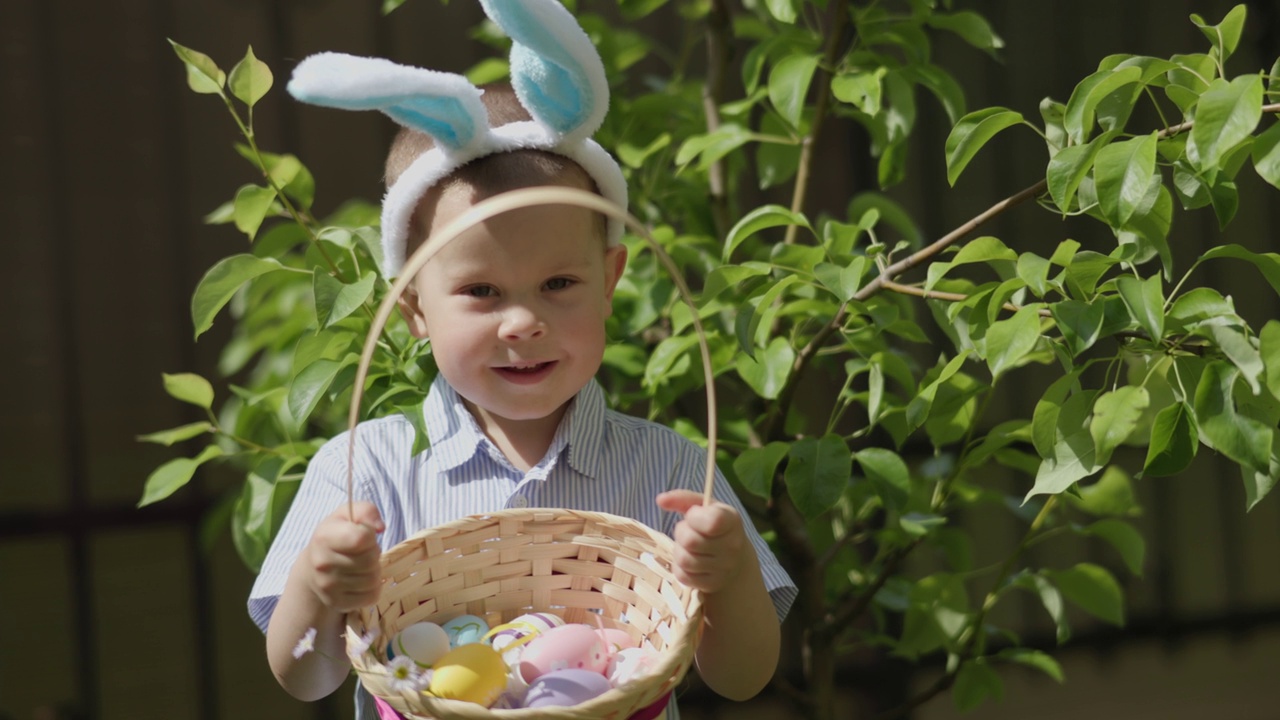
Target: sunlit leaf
{"type": "Point", "coordinates": [789, 85]}
{"type": "Point", "coordinates": [1227, 113]}
{"type": "Point", "coordinates": [203, 75]}
{"type": "Point", "coordinates": [173, 475]}
{"type": "Point", "coordinates": [221, 282]}
{"type": "Point", "coordinates": [176, 435]}
{"type": "Point", "coordinates": [1115, 415]}
{"type": "Point", "coordinates": [189, 388]}
{"type": "Point", "coordinates": [250, 79]}
{"type": "Point", "coordinates": [1123, 172]}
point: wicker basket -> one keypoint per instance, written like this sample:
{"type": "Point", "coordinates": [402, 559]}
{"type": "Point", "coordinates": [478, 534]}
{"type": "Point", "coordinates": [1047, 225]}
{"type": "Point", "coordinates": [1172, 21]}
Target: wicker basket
{"type": "Point", "coordinates": [584, 566]}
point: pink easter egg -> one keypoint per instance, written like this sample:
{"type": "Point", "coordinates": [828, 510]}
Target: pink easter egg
{"type": "Point", "coordinates": [567, 647]}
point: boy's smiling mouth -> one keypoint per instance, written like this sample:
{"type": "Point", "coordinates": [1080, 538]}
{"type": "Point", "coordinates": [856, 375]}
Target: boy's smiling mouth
{"type": "Point", "coordinates": [525, 372]}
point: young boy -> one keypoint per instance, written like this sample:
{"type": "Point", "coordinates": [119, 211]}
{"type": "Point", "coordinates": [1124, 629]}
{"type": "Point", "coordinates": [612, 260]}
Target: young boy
{"type": "Point", "coordinates": [515, 310]}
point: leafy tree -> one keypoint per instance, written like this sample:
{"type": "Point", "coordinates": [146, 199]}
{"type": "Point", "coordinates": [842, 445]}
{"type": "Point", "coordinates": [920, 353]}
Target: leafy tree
{"type": "Point", "coordinates": [854, 493]}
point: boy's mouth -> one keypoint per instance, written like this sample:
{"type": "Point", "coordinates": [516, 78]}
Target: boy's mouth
{"type": "Point", "coordinates": [525, 371]}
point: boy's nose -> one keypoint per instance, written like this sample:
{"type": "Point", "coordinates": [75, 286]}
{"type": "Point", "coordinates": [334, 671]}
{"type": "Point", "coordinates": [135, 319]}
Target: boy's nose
{"type": "Point", "coordinates": [521, 323]}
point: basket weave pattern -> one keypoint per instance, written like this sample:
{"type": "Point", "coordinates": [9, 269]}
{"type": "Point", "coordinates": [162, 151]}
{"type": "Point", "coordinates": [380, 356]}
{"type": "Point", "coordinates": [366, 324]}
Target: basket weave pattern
{"type": "Point", "coordinates": [580, 565]}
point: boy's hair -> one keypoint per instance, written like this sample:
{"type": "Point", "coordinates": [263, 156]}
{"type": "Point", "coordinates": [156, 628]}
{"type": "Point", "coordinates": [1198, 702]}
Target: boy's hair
{"type": "Point", "coordinates": [491, 174]}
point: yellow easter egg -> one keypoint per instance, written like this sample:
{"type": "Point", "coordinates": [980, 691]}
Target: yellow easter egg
{"type": "Point", "coordinates": [473, 673]}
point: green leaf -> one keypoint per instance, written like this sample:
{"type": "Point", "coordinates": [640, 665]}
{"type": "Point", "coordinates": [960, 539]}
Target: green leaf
{"type": "Point", "coordinates": [713, 146]}
{"type": "Point", "coordinates": [1079, 322]}
{"type": "Point", "coordinates": [776, 162]}
{"type": "Point", "coordinates": [1079, 115]}
{"type": "Point", "coordinates": [843, 282]}
{"type": "Point", "coordinates": [488, 70]}
{"type": "Point", "coordinates": [176, 435]}
{"type": "Point", "coordinates": [335, 299]}
{"type": "Point", "coordinates": [1240, 437]}
{"type": "Point", "coordinates": [203, 75]}
{"type": "Point", "coordinates": [861, 89]}
{"type": "Point", "coordinates": [414, 414]}
{"type": "Point", "coordinates": [1227, 114]}
{"type": "Point", "coordinates": [1034, 271]}
{"type": "Point", "coordinates": [1267, 263]}
{"type": "Point", "coordinates": [221, 282]}
{"type": "Point", "coordinates": [1093, 589]}
{"type": "Point", "coordinates": [943, 86]}
{"type": "Point", "coordinates": [169, 477]}
{"type": "Point", "coordinates": [971, 133]}
{"type": "Point", "coordinates": [251, 206]}
{"type": "Point", "coordinates": [1123, 172]}
{"type": "Point", "coordinates": [984, 249]}
{"type": "Point", "coordinates": [762, 218]}
{"type": "Point", "coordinates": [756, 467]}
{"type": "Point", "coordinates": [1266, 155]}
{"type": "Point", "coordinates": [755, 325]}
{"type": "Point", "coordinates": [789, 85]}
{"type": "Point", "coordinates": [888, 473]}
{"type": "Point", "coordinates": [975, 682]}
{"type": "Point", "coordinates": [1051, 598]}
{"type": "Point", "coordinates": [1225, 36]}
{"type": "Point", "coordinates": [1115, 415]}
{"type": "Point", "coordinates": [1257, 485]}
{"type": "Point", "coordinates": [1069, 167]}
{"type": "Point", "coordinates": [970, 26]}
{"type": "Point", "coordinates": [1036, 659]}
{"type": "Point", "coordinates": [784, 11]}
{"type": "Point", "coordinates": [250, 79]}
{"type": "Point", "coordinates": [818, 470]}
{"type": "Point", "coordinates": [1240, 351]}
{"type": "Point", "coordinates": [922, 403]}
{"type": "Point", "coordinates": [1174, 441]}
{"type": "Point", "coordinates": [310, 385]}
{"type": "Point", "coordinates": [1072, 454]}
{"type": "Point", "coordinates": [1269, 349]}
{"type": "Point", "coordinates": [768, 374]}
{"type": "Point", "coordinates": [1125, 538]}
{"type": "Point", "coordinates": [1009, 341]}
{"type": "Point", "coordinates": [1145, 300]}
{"type": "Point", "coordinates": [1111, 496]}
{"type": "Point", "coordinates": [189, 388]}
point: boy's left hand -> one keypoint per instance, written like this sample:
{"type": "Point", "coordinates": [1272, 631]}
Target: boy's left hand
{"type": "Point", "coordinates": [711, 544]}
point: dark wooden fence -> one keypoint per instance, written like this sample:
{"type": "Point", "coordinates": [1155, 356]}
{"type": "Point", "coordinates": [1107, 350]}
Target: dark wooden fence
{"type": "Point", "coordinates": [107, 163]}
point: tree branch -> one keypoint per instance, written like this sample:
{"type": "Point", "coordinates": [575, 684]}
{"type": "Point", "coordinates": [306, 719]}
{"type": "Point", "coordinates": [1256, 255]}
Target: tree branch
{"type": "Point", "coordinates": [835, 41]}
{"type": "Point", "coordinates": [719, 32]}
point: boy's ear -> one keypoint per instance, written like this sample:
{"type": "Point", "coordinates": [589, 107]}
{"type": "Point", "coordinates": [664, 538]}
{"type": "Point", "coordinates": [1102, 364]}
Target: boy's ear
{"type": "Point", "coordinates": [411, 310]}
{"type": "Point", "coordinates": [615, 261]}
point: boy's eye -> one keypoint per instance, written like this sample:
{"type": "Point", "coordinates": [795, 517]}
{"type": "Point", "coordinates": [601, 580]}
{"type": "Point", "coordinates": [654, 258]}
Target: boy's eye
{"type": "Point", "coordinates": [480, 291]}
{"type": "Point", "coordinates": [558, 283]}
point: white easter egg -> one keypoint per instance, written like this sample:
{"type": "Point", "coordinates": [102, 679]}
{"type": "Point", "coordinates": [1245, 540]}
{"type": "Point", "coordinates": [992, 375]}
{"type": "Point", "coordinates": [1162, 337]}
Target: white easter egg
{"type": "Point", "coordinates": [425, 642]}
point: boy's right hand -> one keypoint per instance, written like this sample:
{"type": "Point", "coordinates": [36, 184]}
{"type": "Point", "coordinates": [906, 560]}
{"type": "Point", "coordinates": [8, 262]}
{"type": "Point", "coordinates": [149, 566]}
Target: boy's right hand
{"type": "Point", "coordinates": [343, 558]}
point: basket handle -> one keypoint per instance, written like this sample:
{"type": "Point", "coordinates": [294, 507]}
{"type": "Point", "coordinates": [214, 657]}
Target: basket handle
{"type": "Point", "coordinates": [485, 210]}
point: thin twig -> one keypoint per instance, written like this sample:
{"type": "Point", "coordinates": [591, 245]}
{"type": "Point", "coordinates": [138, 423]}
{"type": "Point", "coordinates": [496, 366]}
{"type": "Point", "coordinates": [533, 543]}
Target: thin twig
{"type": "Point", "coordinates": [835, 41]}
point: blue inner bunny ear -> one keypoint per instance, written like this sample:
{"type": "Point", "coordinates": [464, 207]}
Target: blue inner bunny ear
{"type": "Point", "coordinates": [551, 93]}
{"type": "Point", "coordinates": [443, 105]}
{"type": "Point", "coordinates": [555, 69]}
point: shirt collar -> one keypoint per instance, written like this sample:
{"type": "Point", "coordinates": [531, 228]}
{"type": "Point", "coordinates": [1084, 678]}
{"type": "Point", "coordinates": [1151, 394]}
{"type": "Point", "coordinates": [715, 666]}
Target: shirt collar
{"type": "Point", "coordinates": [455, 436]}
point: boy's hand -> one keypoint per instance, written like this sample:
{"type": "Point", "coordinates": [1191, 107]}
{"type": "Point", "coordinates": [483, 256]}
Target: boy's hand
{"type": "Point", "coordinates": [343, 558]}
{"type": "Point", "coordinates": [711, 544]}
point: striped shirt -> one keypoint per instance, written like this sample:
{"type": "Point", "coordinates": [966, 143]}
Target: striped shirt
{"type": "Point", "coordinates": [599, 460]}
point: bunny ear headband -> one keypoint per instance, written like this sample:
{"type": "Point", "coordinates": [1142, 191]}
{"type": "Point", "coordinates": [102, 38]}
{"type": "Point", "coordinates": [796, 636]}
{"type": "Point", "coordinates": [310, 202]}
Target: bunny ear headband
{"type": "Point", "coordinates": [557, 75]}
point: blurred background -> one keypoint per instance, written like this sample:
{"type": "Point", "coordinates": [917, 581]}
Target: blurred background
{"type": "Point", "coordinates": [107, 165]}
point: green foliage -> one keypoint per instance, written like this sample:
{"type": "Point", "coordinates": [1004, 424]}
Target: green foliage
{"type": "Point", "coordinates": [794, 301]}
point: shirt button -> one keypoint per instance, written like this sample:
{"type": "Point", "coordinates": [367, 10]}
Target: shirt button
{"type": "Point", "coordinates": [519, 501]}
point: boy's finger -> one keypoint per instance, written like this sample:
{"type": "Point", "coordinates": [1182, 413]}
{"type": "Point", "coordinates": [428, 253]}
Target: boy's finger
{"type": "Point", "coordinates": [679, 501]}
{"type": "Point", "coordinates": [366, 513]}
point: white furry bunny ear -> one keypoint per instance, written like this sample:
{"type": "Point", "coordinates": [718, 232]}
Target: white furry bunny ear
{"type": "Point", "coordinates": [443, 105]}
{"type": "Point", "coordinates": [555, 70]}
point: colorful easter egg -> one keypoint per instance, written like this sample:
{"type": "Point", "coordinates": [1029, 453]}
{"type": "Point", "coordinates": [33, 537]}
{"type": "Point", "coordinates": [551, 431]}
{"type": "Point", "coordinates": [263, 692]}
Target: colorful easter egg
{"type": "Point", "coordinates": [618, 639]}
{"type": "Point", "coordinates": [465, 629]}
{"type": "Point", "coordinates": [629, 664]}
{"type": "Point", "coordinates": [564, 688]}
{"type": "Point", "coordinates": [425, 642]}
{"type": "Point", "coordinates": [569, 646]}
{"type": "Point", "coordinates": [474, 673]}
{"type": "Point", "coordinates": [505, 637]}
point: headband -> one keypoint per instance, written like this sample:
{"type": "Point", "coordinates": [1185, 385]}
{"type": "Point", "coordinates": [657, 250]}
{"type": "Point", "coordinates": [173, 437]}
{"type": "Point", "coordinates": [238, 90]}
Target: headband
{"type": "Point", "coordinates": [557, 76]}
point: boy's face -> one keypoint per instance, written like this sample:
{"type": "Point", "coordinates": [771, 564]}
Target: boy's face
{"type": "Point", "coordinates": [516, 307]}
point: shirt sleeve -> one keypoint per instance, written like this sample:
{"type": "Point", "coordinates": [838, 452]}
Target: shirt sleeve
{"type": "Point", "coordinates": [323, 490]}
{"type": "Point", "coordinates": [782, 591]}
